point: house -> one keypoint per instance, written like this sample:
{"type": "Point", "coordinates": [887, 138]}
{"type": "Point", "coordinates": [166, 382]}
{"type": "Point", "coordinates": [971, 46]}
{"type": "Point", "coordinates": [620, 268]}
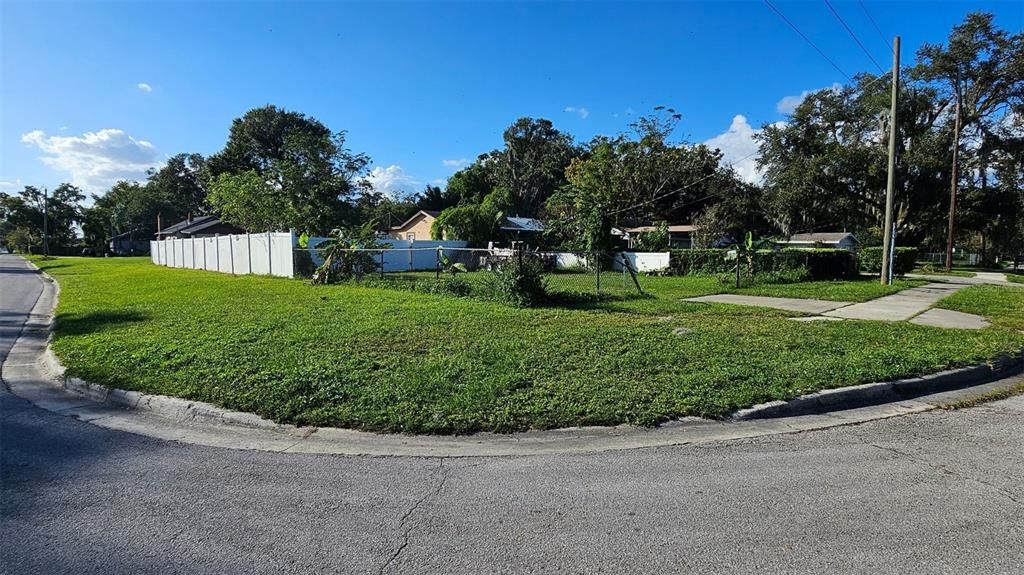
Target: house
{"type": "Point", "coordinates": [680, 236]}
{"type": "Point", "coordinates": [415, 228]}
{"type": "Point", "coordinates": [128, 244]}
{"type": "Point", "coordinates": [198, 227]}
{"type": "Point", "coordinates": [418, 227]}
{"type": "Point", "coordinates": [837, 240]}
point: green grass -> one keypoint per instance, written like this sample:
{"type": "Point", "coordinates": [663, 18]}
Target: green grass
{"type": "Point", "coordinates": [1015, 277]}
{"type": "Point", "coordinates": [389, 360]}
{"type": "Point", "coordinates": [941, 271]}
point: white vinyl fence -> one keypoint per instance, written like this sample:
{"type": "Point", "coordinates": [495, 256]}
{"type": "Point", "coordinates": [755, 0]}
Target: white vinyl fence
{"type": "Point", "coordinates": [403, 255]}
{"type": "Point", "coordinates": [267, 253]}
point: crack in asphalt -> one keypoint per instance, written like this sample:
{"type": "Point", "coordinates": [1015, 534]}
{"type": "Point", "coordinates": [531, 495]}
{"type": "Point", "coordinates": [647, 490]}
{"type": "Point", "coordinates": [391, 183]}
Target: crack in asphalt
{"type": "Point", "coordinates": [405, 517]}
{"type": "Point", "coordinates": [942, 468]}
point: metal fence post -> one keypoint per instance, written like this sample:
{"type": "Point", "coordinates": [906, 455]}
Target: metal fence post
{"type": "Point", "coordinates": [206, 259]}
{"type": "Point", "coordinates": [597, 267]}
{"type": "Point", "coordinates": [437, 268]}
{"type": "Point", "coordinates": [248, 249]}
{"type": "Point", "coordinates": [382, 264]}
{"type": "Point", "coordinates": [231, 252]}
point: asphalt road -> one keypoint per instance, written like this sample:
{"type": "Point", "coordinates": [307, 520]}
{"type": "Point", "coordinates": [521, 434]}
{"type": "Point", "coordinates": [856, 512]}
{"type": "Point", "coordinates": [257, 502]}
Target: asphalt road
{"type": "Point", "coordinates": [938, 492]}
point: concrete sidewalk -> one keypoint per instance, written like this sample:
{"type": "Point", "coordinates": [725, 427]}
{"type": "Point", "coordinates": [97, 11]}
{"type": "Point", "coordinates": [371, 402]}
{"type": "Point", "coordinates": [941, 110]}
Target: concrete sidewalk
{"type": "Point", "coordinates": [814, 306]}
{"type": "Point", "coordinates": [912, 304]}
{"type": "Point", "coordinates": [899, 306]}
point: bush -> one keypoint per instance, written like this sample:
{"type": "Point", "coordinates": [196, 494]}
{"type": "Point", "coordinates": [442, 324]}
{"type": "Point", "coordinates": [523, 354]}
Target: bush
{"type": "Point", "coordinates": [698, 261]}
{"type": "Point", "coordinates": [871, 260]}
{"type": "Point", "coordinates": [449, 285]}
{"type": "Point", "coordinates": [519, 281]}
{"type": "Point", "coordinates": [816, 264]}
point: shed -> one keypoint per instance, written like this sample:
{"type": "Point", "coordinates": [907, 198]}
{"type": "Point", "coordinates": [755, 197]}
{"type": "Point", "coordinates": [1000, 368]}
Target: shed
{"type": "Point", "coordinates": [837, 240]}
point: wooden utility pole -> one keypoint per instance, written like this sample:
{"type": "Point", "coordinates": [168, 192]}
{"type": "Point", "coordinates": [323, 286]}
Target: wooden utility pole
{"type": "Point", "coordinates": [46, 217]}
{"type": "Point", "coordinates": [887, 248]}
{"type": "Point", "coordinates": [952, 188]}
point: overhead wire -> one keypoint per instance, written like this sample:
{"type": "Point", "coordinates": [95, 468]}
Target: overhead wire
{"type": "Point", "coordinates": [808, 40]}
{"type": "Point", "coordinates": [853, 35]}
{"type": "Point", "coordinates": [888, 43]}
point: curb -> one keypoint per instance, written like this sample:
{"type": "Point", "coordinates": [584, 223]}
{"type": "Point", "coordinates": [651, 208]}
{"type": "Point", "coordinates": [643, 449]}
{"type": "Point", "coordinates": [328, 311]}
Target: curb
{"type": "Point", "coordinates": [886, 391]}
{"type": "Point", "coordinates": [187, 411]}
{"type": "Point", "coordinates": [174, 408]}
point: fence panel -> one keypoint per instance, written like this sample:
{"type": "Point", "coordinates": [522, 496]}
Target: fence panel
{"type": "Point", "coordinates": [281, 262]}
{"type": "Point", "coordinates": [225, 257]}
{"type": "Point", "coordinates": [259, 254]}
{"type": "Point", "coordinates": [189, 249]}
{"type": "Point", "coordinates": [199, 249]}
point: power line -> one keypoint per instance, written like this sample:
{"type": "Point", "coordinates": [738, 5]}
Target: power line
{"type": "Point", "coordinates": [852, 35]}
{"type": "Point", "coordinates": [808, 40]}
{"type": "Point", "coordinates": [888, 44]}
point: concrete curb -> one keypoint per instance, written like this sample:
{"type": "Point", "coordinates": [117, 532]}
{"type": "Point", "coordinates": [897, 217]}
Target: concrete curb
{"type": "Point", "coordinates": [113, 408]}
{"type": "Point", "coordinates": [887, 391]}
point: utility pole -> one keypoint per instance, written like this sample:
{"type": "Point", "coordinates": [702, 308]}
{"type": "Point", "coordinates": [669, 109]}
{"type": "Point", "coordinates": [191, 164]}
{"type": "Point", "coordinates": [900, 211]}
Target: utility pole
{"type": "Point", "coordinates": [891, 183]}
{"type": "Point", "coordinates": [952, 187]}
{"type": "Point", "coordinates": [46, 217]}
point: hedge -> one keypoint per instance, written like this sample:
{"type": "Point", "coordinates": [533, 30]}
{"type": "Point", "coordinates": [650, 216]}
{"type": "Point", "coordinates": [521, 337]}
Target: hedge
{"type": "Point", "coordinates": [821, 264]}
{"type": "Point", "coordinates": [871, 260]}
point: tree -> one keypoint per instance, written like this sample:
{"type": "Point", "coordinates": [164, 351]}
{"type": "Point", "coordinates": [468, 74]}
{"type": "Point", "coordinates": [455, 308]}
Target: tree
{"type": "Point", "coordinates": [25, 210]}
{"type": "Point", "coordinates": [180, 181]}
{"type": "Point", "coordinates": [981, 68]}
{"type": "Point", "coordinates": [22, 239]}
{"type": "Point", "coordinates": [126, 207]}
{"type": "Point", "coordinates": [532, 164]}
{"type": "Point", "coordinates": [476, 224]}
{"type": "Point", "coordinates": [637, 177]}
{"type": "Point", "coordinates": [311, 173]}
{"type": "Point", "coordinates": [248, 200]}
{"type": "Point", "coordinates": [433, 198]}
{"type": "Point", "coordinates": [472, 183]}
{"type": "Point", "coordinates": [384, 211]}
{"type": "Point", "coordinates": [825, 168]}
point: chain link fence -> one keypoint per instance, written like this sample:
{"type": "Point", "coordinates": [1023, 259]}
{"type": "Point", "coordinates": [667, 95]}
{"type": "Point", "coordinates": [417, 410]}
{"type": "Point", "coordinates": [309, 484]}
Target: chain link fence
{"type": "Point", "coordinates": [564, 273]}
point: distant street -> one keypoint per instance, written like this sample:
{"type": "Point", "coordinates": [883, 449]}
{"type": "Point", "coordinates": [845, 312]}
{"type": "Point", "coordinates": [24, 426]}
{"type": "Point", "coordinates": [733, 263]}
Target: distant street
{"type": "Point", "coordinates": [937, 492]}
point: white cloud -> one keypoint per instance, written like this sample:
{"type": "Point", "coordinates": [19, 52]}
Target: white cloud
{"type": "Point", "coordinates": [583, 112]}
{"type": "Point", "coordinates": [96, 160]}
{"type": "Point", "coordinates": [392, 181]}
{"type": "Point", "coordinates": [14, 184]}
{"type": "Point", "coordinates": [739, 148]}
{"type": "Point", "coordinates": [145, 87]}
{"type": "Point", "coordinates": [455, 163]}
{"type": "Point", "coordinates": [788, 104]}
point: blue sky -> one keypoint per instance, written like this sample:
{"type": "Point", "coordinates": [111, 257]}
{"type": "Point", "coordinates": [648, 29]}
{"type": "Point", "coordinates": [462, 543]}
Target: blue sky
{"type": "Point", "coordinates": [93, 92]}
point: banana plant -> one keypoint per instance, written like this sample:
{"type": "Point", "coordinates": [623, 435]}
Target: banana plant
{"type": "Point", "coordinates": [452, 267]}
{"type": "Point", "coordinates": [745, 251]}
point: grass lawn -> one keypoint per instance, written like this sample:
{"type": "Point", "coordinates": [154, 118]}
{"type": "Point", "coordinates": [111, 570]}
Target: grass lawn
{"type": "Point", "coordinates": [1015, 277]}
{"type": "Point", "coordinates": [389, 360]}
{"type": "Point", "coordinates": [941, 271]}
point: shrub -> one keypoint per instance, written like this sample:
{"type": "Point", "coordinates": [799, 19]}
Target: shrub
{"type": "Point", "coordinates": [871, 260]}
{"type": "Point", "coordinates": [817, 264]}
{"type": "Point", "coordinates": [698, 261]}
{"type": "Point", "coordinates": [519, 281]}
{"type": "Point", "coordinates": [821, 263]}
{"type": "Point", "coordinates": [448, 285]}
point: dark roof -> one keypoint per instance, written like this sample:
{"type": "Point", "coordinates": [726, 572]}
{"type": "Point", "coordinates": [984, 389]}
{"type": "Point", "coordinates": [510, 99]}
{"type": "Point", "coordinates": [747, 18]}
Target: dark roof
{"type": "Point", "coordinates": [198, 227]}
{"type": "Point", "coordinates": [823, 237]}
{"type": "Point", "coordinates": [517, 224]}
{"type": "Point", "coordinates": [184, 224]}
{"type": "Point", "coordinates": [431, 213]}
